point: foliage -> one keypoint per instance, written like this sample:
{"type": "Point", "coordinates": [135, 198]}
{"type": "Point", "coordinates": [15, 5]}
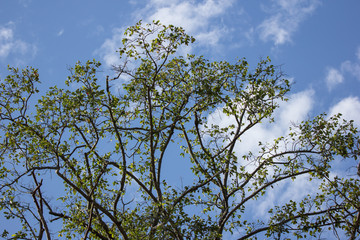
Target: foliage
{"type": "Point", "coordinates": [105, 151]}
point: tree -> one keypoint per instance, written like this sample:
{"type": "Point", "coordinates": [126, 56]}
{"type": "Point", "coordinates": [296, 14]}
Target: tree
{"type": "Point", "coordinates": [105, 150]}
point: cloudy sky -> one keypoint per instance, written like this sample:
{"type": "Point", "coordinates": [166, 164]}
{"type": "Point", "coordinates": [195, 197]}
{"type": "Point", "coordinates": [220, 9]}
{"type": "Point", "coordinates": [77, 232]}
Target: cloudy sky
{"type": "Point", "coordinates": [316, 42]}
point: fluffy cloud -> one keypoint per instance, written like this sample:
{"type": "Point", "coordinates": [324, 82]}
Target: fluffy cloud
{"type": "Point", "coordinates": [194, 16]}
{"type": "Point", "coordinates": [283, 192]}
{"type": "Point", "coordinates": [285, 19]}
{"type": "Point", "coordinates": [108, 49]}
{"type": "Point", "coordinates": [295, 110]}
{"type": "Point", "coordinates": [289, 113]}
{"type": "Point", "coordinates": [10, 45]}
{"type": "Point", "coordinates": [349, 108]}
{"type": "Point", "coordinates": [333, 78]}
{"type": "Point", "coordinates": [6, 35]}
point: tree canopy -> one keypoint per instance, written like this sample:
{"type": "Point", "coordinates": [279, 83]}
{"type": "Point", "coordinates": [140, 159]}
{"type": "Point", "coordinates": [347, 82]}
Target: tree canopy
{"type": "Point", "coordinates": [90, 161]}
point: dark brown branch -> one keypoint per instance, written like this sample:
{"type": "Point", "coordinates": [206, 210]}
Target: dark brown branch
{"type": "Point", "coordinates": [97, 205]}
{"type": "Point", "coordinates": [40, 209]}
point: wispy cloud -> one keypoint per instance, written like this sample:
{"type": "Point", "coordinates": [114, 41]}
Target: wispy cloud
{"type": "Point", "coordinates": [10, 45]}
{"type": "Point", "coordinates": [285, 18]}
{"type": "Point", "coordinates": [194, 16]}
{"type": "Point", "coordinates": [336, 76]}
{"type": "Point", "coordinates": [333, 78]}
{"type": "Point", "coordinates": [60, 33]}
{"type": "Point", "coordinates": [351, 67]}
{"type": "Point", "coordinates": [25, 3]}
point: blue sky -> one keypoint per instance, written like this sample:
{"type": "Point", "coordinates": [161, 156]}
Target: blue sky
{"type": "Point", "coordinates": [316, 42]}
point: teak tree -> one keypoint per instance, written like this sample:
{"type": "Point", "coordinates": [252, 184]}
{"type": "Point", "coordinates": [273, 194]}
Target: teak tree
{"type": "Point", "coordinates": [87, 162]}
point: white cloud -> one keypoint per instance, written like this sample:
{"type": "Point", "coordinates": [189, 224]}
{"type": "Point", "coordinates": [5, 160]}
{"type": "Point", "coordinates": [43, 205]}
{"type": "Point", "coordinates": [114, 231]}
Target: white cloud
{"type": "Point", "coordinates": [352, 68]}
{"type": "Point", "coordinates": [333, 78]}
{"type": "Point", "coordinates": [336, 76]}
{"type": "Point", "coordinates": [297, 108]}
{"type": "Point", "coordinates": [6, 34]}
{"type": "Point", "coordinates": [349, 108]}
{"type": "Point", "coordinates": [285, 19]}
{"type": "Point", "coordinates": [276, 30]}
{"type": "Point", "coordinates": [212, 37]}
{"type": "Point", "coordinates": [194, 16]}
{"type": "Point", "coordinates": [108, 49]}
{"type": "Point", "coordinates": [283, 192]}
{"type": "Point", "coordinates": [6, 41]}
{"type": "Point", "coordinates": [293, 111]}
{"type": "Point", "coordinates": [10, 45]}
